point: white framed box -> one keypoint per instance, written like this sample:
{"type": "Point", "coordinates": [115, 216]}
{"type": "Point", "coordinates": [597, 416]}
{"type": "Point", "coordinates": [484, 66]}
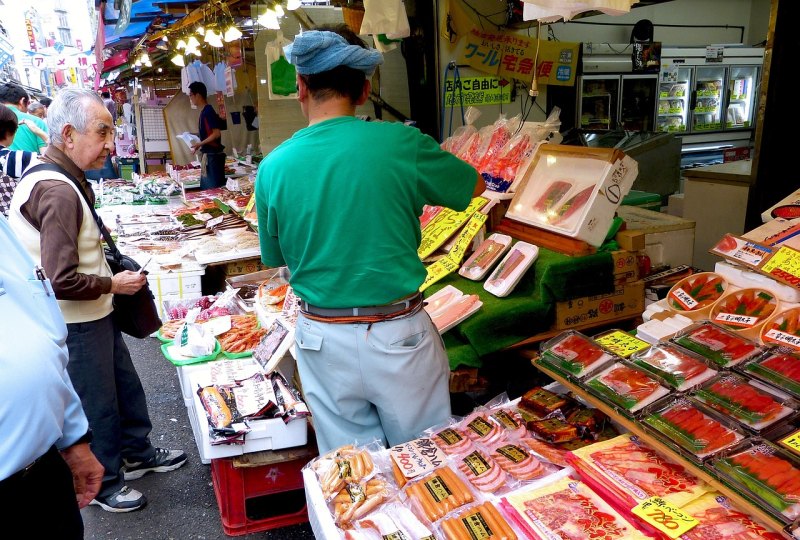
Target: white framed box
{"type": "Point", "coordinates": [267, 434]}
{"type": "Point", "coordinates": [176, 283]}
{"type": "Point", "coordinates": [573, 190]}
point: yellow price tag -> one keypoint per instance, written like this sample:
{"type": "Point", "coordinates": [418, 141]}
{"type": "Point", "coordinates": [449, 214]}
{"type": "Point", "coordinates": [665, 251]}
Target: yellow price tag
{"type": "Point", "coordinates": [444, 225]}
{"type": "Point", "coordinates": [792, 442]}
{"type": "Point", "coordinates": [622, 343]}
{"type": "Point", "coordinates": [437, 271]}
{"type": "Point", "coordinates": [250, 203]}
{"type": "Point", "coordinates": [663, 516]}
{"type": "Point", "coordinates": [466, 235]}
{"type": "Point", "coordinates": [785, 264]}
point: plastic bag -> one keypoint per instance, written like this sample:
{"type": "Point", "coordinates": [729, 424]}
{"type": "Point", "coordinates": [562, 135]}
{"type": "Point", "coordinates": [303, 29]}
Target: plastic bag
{"type": "Point", "coordinates": [462, 134]}
{"type": "Point", "coordinates": [283, 77]}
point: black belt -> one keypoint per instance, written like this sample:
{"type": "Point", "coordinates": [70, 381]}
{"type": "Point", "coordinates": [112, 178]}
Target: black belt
{"type": "Point", "coordinates": [367, 311]}
{"type": "Point", "coordinates": [22, 473]}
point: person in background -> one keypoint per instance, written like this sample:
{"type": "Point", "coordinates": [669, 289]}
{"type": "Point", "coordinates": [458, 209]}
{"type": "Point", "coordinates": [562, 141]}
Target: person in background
{"type": "Point", "coordinates": [12, 162]}
{"type": "Point", "coordinates": [212, 162]}
{"type": "Point", "coordinates": [46, 101]}
{"type": "Point", "coordinates": [50, 213]}
{"type": "Point", "coordinates": [37, 109]}
{"type": "Point", "coordinates": [45, 443]}
{"type": "Point", "coordinates": [16, 98]}
{"type": "Point", "coordinates": [371, 362]}
{"type": "Point", "coordinates": [110, 105]}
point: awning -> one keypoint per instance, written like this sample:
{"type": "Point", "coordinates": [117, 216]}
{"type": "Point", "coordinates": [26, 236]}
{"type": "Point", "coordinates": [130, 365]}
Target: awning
{"type": "Point", "coordinates": [133, 31]}
{"type": "Point", "coordinates": [115, 60]}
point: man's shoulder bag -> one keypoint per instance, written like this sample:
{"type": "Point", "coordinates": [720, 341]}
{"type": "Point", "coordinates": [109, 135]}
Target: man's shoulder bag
{"type": "Point", "coordinates": [134, 314]}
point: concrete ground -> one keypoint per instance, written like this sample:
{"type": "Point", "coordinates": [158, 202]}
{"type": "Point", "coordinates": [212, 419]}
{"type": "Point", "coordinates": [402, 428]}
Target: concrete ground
{"type": "Point", "coordinates": [181, 504]}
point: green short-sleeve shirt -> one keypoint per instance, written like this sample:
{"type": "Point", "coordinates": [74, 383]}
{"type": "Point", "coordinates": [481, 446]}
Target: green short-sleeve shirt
{"type": "Point", "coordinates": [24, 139]}
{"type": "Point", "coordinates": [339, 204]}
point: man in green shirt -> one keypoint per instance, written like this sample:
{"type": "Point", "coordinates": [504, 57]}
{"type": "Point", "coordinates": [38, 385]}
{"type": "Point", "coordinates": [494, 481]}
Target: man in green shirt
{"type": "Point", "coordinates": [16, 98]}
{"type": "Point", "coordinates": [339, 204]}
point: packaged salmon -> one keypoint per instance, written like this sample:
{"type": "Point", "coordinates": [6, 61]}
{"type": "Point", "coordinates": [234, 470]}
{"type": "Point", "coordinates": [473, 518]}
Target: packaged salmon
{"type": "Point", "coordinates": [691, 427]}
{"type": "Point", "coordinates": [477, 521]}
{"type": "Point", "coordinates": [783, 328]}
{"type": "Point", "coordinates": [483, 259]}
{"type": "Point", "coordinates": [574, 354]}
{"type": "Point", "coordinates": [723, 347]}
{"type": "Point", "coordinates": [627, 388]}
{"type": "Point", "coordinates": [718, 517]}
{"type": "Point", "coordinates": [755, 405]}
{"type": "Point", "coordinates": [678, 367]}
{"type": "Point", "coordinates": [631, 472]}
{"type": "Point", "coordinates": [462, 134]}
{"type": "Point", "coordinates": [437, 494]}
{"type": "Point", "coordinates": [694, 295]}
{"type": "Point", "coordinates": [780, 367]}
{"type": "Point", "coordinates": [567, 509]}
{"type": "Point", "coordinates": [767, 474]}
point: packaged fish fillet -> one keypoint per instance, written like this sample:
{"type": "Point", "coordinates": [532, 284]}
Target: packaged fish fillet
{"type": "Point", "coordinates": [574, 354]}
{"type": "Point", "coordinates": [725, 348]}
{"type": "Point", "coordinates": [680, 368]}
{"type": "Point", "coordinates": [755, 405]}
{"type": "Point", "coordinates": [780, 367]}
{"type": "Point", "coordinates": [627, 388]}
{"type": "Point", "coordinates": [448, 307]}
{"type": "Point", "coordinates": [478, 265]}
{"type": "Point", "coordinates": [766, 473]}
{"type": "Point", "coordinates": [511, 269]}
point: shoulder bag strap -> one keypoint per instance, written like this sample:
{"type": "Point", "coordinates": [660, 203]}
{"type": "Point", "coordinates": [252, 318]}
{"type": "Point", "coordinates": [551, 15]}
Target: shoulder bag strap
{"type": "Point", "coordinates": [106, 235]}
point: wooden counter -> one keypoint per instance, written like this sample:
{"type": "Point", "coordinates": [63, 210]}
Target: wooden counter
{"type": "Point", "coordinates": [737, 172]}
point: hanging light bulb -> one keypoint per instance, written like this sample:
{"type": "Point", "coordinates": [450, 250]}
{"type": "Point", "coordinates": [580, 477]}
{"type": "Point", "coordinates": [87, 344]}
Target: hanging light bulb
{"type": "Point", "coordinates": [279, 10]}
{"type": "Point", "coordinates": [269, 20]}
{"type": "Point", "coordinates": [192, 43]}
{"type": "Point", "coordinates": [178, 60]}
{"type": "Point", "coordinates": [181, 44]}
{"type": "Point", "coordinates": [232, 34]}
{"type": "Point", "coordinates": [292, 5]}
{"type": "Point", "coordinates": [212, 38]}
{"type": "Point", "coordinates": [144, 58]}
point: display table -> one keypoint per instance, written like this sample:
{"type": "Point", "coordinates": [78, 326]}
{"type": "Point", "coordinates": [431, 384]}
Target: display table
{"type": "Point", "coordinates": [529, 310]}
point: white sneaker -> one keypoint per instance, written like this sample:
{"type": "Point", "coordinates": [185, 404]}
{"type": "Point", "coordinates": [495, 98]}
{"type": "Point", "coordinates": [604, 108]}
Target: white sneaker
{"type": "Point", "coordinates": [124, 500]}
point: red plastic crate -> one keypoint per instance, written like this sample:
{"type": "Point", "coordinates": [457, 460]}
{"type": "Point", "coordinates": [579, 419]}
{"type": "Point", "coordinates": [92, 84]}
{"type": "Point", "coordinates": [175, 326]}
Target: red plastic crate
{"type": "Point", "coordinates": [255, 497]}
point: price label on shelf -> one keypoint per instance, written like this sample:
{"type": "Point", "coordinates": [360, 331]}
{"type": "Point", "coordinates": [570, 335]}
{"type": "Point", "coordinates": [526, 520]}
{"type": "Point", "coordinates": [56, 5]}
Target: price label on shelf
{"type": "Point", "coordinates": [792, 442]}
{"type": "Point", "coordinates": [622, 343]}
{"type": "Point", "coordinates": [438, 270]}
{"type": "Point", "coordinates": [446, 222]}
{"type": "Point", "coordinates": [784, 265]}
{"type": "Point", "coordinates": [250, 203]}
{"type": "Point", "coordinates": [668, 519]}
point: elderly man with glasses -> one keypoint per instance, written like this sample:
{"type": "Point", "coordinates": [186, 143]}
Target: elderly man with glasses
{"type": "Point", "coordinates": [16, 98]}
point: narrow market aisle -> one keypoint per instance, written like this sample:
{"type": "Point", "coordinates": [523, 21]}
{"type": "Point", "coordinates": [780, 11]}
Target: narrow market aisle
{"type": "Point", "coordinates": [181, 504]}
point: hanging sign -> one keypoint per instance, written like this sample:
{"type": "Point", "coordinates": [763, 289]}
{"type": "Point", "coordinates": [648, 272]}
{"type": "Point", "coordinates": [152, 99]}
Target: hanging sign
{"type": "Point", "coordinates": [31, 34]}
{"type": "Point", "coordinates": [476, 91]}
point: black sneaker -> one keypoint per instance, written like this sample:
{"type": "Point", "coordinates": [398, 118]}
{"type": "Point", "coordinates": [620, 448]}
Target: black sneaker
{"type": "Point", "coordinates": [163, 461]}
{"type": "Point", "coordinates": [124, 500]}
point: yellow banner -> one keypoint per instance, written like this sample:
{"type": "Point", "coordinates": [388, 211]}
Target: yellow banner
{"type": "Point", "coordinates": [442, 227]}
{"type": "Point", "coordinates": [512, 56]}
{"type": "Point", "coordinates": [466, 236]}
{"type": "Point", "coordinates": [438, 270]}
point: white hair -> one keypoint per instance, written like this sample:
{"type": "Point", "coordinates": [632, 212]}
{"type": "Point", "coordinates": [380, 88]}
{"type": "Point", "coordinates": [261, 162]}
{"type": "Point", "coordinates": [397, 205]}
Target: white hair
{"type": "Point", "coordinates": [70, 107]}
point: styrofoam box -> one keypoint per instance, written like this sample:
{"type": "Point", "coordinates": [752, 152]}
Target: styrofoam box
{"type": "Point", "coordinates": [176, 283]}
{"type": "Point", "coordinates": [185, 374]}
{"type": "Point", "coordinates": [268, 434]}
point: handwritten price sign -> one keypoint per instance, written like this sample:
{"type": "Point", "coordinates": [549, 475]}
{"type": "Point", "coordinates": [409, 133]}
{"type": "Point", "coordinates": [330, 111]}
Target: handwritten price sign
{"type": "Point", "coordinates": [663, 516]}
{"type": "Point", "coordinates": [792, 442]}
{"type": "Point", "coordinates": [784, 265]}
{"type": "Point", "coordinates": [622, 343]}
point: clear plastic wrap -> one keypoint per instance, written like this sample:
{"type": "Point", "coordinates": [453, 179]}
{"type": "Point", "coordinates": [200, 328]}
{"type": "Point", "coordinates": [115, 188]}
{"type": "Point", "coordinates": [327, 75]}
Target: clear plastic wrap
{"type": "Point", "coordinates": [694, 428]}
{"type": "Point", "coordinates": [678, 367]}
{"type": "Point", "coordinates": [767, 474]}
{"type": "Point", "coordinates": [509, 272]}
{"type": "Point", "coordinates": [449, 306]}
{"type": "Point", "coordinates": [434, 496]}
{"type": "Point", "coordinates": [455, 142]}
{"type": "Point", "coordinates": [755, 405]}
{"type": "Point", "coordinates": [482, 521]}
{"type": "Point", "coordinates": [780, 367]}
{"type": "Point", "coordinates": [342, 466]}
{"type": "Point", "coordinates": [574, 354]}
{"type": "Point", "coordinates": [483, 472]}
{"type": "Point", "coordinates": [519, 461]}
{"type": "Point", "coordinates": [390, 521]}
{"type": "Point", "coordinates": [545, 403]}
{"type": "Point", "coordinates": [783, 328]}
{"type": "Point", "coordinates": [478, 265]}
{"type": "Point", "coordinates": [694, 295]}
{"type": "Point", "coordinates": [501, 134]}
{"type": "Point", "coordinates": [450, 439]}
{"type": "Point", "coordinates": [744, 310]}
{"type": "Point", "coordinates": [627, 388]}
{"type": "Point", "coordinates": [478, 427]}
{"type": "Point", "coordinates": [719, 518]}
{"type": "Point", "coordinates": [723, 347]}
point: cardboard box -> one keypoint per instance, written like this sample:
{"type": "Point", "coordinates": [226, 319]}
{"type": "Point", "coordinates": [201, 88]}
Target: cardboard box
{"type": "Point", "coordinates": [573, 190]}
{"type": "Point", "coordinates": [626, 266]}
{"type": "Point", "coordinates": [245, 266]}
{"type": "Point", "coordinates": [626, 302]}
{"type": "Point", "coordinates": [669, 240]}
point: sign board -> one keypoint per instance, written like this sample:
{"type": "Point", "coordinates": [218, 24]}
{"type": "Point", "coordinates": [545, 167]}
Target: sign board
{"type": "Point", "coordinates": [476, 91]}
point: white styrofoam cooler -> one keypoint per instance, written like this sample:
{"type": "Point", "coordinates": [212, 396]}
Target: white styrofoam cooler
{"type": "Point", "coordinates": [268, 434]}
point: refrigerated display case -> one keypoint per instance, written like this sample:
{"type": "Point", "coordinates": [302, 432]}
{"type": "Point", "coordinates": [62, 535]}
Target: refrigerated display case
{"type": "Point", "coordinates": [617, 101]}
{"type": "Point", "coordinates": [673, 101]}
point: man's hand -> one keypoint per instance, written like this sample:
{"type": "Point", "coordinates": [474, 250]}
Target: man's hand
{"type": "Point", "coordinates": [195, 148]}
{"type": "Point", "coordinates": [127, 282]}
{"type": "Point", "coordinates": [87, 472]}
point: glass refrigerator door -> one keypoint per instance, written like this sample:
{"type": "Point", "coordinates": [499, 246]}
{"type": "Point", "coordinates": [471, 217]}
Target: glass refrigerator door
{"type": "Point", "coordinates": [672, 111]}
{"type": "Point", "coordinates": [638, 102]}
{"type": "Point", "coordinates": [740, 109]}
{"type": "Point", "coordinates": [598, 101]}
{"type": "Point", "coordinates": [707, 99]}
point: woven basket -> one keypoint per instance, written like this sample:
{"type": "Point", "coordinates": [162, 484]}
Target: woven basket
{"type": "Point", "coordinates": [353, 15]}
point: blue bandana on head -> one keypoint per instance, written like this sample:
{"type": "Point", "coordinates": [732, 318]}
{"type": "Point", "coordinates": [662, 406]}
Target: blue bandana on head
{"type": "Point", "coordinates": [316, 51]}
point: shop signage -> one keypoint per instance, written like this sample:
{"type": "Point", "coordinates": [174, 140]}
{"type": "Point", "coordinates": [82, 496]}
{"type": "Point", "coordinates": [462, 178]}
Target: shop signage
{"type": "Point", "coordinates": [31, 34]}
{"type": "Point", "coordinates": [512, 56]}
{"type": "Point", "coordinates": [476, 91]}
{"type": "Point", "coordinates": [622, 343]}
{"type": "Point", "coordinates": [668, 519]}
